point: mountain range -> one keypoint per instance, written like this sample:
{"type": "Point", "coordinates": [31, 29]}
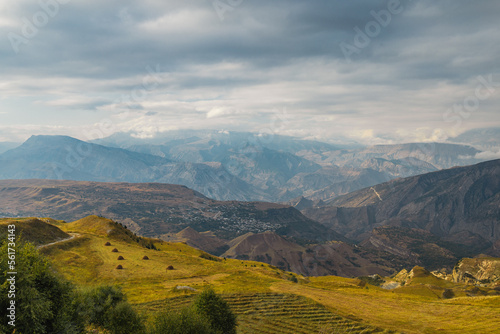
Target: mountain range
{"type": "Point", "coordinates": [362, 209]}
{"type": "Point", "coordinates": [432, 219]}
{"type": "Point", "coordinates": [66, 158]}
{"type": "Point", "coordinates": [5, 146]}
{"type": "Point", "coordinates": [483, 139]}
{"type": "Point", "coordinates": [460, 205]}
{"type": "Point", "coordinates": [230, 165]}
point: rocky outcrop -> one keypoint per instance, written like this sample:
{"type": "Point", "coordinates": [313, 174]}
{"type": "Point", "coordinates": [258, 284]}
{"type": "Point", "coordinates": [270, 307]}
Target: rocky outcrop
{"type": "Point", "coordinates": [483, 271]}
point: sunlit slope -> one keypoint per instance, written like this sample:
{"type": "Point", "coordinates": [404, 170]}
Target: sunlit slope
{"type": "Point", "coordinates": [91, 259]}
{"type": "Point", "coordinates": [39, 231]}
{"type": "Point", "coordinates": [258, 291]}
{"type": "Point", "coordinates": [409, 311]}
{"type": "Point", "coordinates": [271, 313]}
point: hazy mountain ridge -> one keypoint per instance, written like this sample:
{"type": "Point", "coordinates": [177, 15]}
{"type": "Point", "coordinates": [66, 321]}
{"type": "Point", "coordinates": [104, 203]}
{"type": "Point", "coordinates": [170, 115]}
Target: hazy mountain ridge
{"type": "Point", "coordinates": [414, 155]}
{"type": "Point", "coordinates": [287, 167]}
{"type": "Point", "coordinates": [229, 165]}
{"type": "Point", "coordinates": [66, 158]}
{"type": "Point", "coordinates": [484, 139]}
{"type": "Point", "coordinates": [5, 146]}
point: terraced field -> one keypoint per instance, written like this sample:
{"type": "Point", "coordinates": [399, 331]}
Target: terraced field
{"type": "Point", "coordinates": [271, 313]}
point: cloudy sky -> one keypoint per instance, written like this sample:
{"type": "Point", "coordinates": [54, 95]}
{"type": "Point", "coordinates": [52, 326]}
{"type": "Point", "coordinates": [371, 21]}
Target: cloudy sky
{"type": "Point", "coordinates": [373, 71]}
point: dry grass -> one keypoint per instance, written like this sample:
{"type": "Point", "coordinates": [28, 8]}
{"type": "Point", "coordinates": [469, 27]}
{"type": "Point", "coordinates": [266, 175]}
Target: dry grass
{"type": "Point", "coordinates": [86, 261]}
{"type": "Point", "coordinates": [411, 313]}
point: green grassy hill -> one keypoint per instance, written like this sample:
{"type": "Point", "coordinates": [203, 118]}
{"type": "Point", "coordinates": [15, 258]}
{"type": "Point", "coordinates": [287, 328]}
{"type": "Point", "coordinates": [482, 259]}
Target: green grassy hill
{"type": "Point", "coordinates": [39, 231]}
{"type": "Point", "coordinates": [266, 299]}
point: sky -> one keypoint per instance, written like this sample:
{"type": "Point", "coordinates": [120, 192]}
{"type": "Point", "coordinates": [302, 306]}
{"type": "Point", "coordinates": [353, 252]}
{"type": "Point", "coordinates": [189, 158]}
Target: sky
{"type": "Point", "coordinates": [371, 71]}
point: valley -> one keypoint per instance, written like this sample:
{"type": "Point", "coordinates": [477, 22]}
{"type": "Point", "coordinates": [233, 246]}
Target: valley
{"type": "Point", "coordinates": [394, 228]}
{"type": "Point", "coordinates": [432, 220]}
{"type": "Point", "coordinates": [249, 167]}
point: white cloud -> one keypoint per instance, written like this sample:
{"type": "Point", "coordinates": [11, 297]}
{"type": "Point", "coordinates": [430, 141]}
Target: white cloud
{"type": "Point", "coordinates": [223, 112]}
{"type": "Point", "coordinates": [488, 155]}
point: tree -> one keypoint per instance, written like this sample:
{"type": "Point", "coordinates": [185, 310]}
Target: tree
{"type": "Point", "coordinates": [47, 303]}
{"type": "Point", "coordinates": [217, 310]}
{"type": "Point", "coordinates": [122, 319]}
{"type": "Point", "coordinates": [107, 307]}
{"type": "Point", "coordinates": [43, 300]}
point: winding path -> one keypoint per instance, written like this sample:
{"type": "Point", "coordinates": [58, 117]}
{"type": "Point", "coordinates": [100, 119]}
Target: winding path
{"type": "Point", "coordinates": [73, 235]}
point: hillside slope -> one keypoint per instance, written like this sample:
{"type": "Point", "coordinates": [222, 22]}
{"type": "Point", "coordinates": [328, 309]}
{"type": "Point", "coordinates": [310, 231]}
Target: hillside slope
{"type": "Point", "coordinates": [265, 298]}
{"type": "Point", "coordinates": [445, 203]}
{"type": "Point", "coordinates": [459, 205]}
{"type": "Point", "coordinates": [39, 231]}
{"type": "Point", "coordinates": [153, 209]}
{"type": "Point", "coordinates": [336, 258]}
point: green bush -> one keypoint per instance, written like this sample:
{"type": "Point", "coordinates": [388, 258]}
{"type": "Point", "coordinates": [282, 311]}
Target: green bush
{"type": "Point", "coordinates": [448, 294]}
{"type": "Point", "coordinates": [122, 319]}
{"type": "Point", "coordinates": [184, 321]}
{"type": "Point", "coordinates": [217, 311]}
{"type": "Point", "coordinates": [94, 304]}
{"type": "Point", "coordinates": [106, 307]}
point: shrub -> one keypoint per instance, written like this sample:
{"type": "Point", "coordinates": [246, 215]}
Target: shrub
{"type": "Point", "coordinates": [145, 257]}
{"type": "Point", "coordinates": [94, 303]}
{"type": "Point", "coordinates": [170, 268]}
{"type": "Point", "coordinates": [184, 321]}
{"type": "Point", "coordinates": [448, 294]}
{"type": "Point", "coordinates": [121, 258]}
{"type": "Point", "coordinates": [107, 308]}
{"type": "Point", "coordinates": [107, 244]}
{"type": "Point", "coordinates": [46, 303]}
{"type": "Point", "coordinates": [119, 266]}
{"type": "Point", "coordinates": [217, 311]}
{"type": "Point", "coordinates": [122, 319]}
{"type": "Point", "coordinates": [207, 256]}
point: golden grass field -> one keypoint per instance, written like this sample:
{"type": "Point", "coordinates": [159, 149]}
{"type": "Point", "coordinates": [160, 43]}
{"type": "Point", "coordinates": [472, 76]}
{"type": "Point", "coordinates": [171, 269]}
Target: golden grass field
{"type": "Point", "coordinates": [313, 305]}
